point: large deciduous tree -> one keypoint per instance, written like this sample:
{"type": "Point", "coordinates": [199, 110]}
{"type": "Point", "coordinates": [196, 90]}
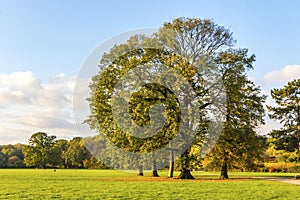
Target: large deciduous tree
{"type": "Point", "coordinates": [200, 50]}
{"type": "Point", "coordinates": [287, 111]}
{"type": "Point", "coordinates": [39, 151]}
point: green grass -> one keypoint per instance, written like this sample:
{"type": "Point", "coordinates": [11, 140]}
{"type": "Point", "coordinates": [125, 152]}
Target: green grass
{"type": "Point", "coordinates": [110, 184]}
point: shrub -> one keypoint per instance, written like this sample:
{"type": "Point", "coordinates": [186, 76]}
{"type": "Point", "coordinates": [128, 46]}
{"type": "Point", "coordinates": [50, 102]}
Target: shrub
{"type": "Point", "coordinates": [282, 167]}
{"type": "Point", "coordinates": [294, 169]}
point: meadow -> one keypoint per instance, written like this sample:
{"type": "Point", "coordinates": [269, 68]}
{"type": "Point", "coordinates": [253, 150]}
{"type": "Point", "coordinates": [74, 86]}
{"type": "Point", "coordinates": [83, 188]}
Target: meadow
{"type": "Point", "coordinates": [111, 184]}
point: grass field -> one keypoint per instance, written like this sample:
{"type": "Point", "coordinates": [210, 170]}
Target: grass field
{"type": "Point", "coordinates": [110, 184]}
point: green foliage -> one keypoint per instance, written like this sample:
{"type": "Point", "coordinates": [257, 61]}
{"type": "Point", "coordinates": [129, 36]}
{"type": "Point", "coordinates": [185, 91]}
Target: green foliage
{"type": "Point", "coordinates": [59, 153]}
{"type": "Point", "coordinates": [287, 112]}
{"type": "Point", "coordinates": [15, 162]}
{"type": "Point", "coordinates": [140, 102]}
{"type": "Point", "coordinates": [44, 151]}
{"type": "Point", "coordinates": [293, 169]}
{"type": "Point", "coordinates": [194, 38]}
{"type": "Point", "coordinates": [282, 155]}
{"type": "Point", "coordinates": [239, 146]}
{"type": "Point", "coordinates": [3, 160]}
{"type": "Point", "coordinates": [11, 156]}
{"type": "Point", "coordinates": [76, 153]}
{"type": "Point", "coordinates": [93, 163]}
{"type": "Point", "coordinates": [39, 151]}
{"type": "Point", "coordinates": [283, 167]}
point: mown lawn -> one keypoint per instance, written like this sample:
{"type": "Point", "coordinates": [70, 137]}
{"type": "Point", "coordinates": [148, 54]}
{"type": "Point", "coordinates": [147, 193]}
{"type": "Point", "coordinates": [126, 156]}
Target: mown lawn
{"type": "Point", "coordinates": [110, 184]}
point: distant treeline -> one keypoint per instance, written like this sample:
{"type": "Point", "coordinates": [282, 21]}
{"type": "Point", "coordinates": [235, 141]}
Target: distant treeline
{"type": "Point", "coordinates": [45, 151]}
{"type": "Point", "coordinates": [11, 156]}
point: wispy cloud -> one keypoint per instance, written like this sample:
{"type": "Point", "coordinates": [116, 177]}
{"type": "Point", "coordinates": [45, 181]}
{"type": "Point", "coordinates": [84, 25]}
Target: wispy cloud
{"type": "Point", "coordinates": [276, 79]}
{"type": "Point", "coordinates": [28, 105]}
{"type": "Point", "coordinates": [284, 75]}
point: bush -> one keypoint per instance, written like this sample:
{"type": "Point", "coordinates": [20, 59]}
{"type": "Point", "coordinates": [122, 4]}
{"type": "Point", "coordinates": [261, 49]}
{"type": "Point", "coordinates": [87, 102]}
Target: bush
{"type": "Point", "coordinates": [274, 169]}
{"type": "Point", "coordinates": [15, 161]}
{"type": "Point", "coordinates": [263, 169]}
{"type": "Point", "coordinates": [93, 163]}
{"type": "Point", "coordinates": [282, 167]}
{"type": "Point", "coordinates": [294, 169]}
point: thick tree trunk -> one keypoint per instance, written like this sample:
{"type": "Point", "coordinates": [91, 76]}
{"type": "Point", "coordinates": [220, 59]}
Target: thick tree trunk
{"type": "Point", "coordinates": [224, 170]}
{"type": "Point", "coordinates": [171, 165]}
{"type": "Point", "coordinates": [185, 174]}
{"type": "Point", "coordinates": [141, 171]}
{"type": "Point", "coordinates": [154, 169]}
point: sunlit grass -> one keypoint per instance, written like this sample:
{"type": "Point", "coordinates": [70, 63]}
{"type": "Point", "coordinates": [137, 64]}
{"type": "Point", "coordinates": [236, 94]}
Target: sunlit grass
{"type": "Point", "coordinates": [112, 184]}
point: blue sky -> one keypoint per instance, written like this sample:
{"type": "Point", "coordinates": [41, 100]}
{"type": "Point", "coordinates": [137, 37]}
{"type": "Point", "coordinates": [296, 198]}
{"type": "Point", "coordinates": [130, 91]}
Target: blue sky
{"type": "Point", "coordinates": [49, 40]}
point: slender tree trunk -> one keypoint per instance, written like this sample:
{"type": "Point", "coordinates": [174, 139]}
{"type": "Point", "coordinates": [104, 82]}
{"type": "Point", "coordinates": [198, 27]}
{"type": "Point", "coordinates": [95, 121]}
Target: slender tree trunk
{"type": "Point", "coordinates": [224, 170]}
{"type": "Point", "coordinates": [298, 125]}
{"type": "Point", "coordinates": [171, 166]}
{"type": "Point", "coordinates": [141, 171]}
{"type": "Point", "coordinates": [154, 169]}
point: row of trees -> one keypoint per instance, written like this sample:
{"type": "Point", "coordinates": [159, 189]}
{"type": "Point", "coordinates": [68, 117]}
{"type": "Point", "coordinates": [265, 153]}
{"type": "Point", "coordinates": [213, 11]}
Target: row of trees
{"type": "Point", "coordinates": [12, 156]}
{"type": "Point", "coordinates": [45, 151]}
{"type": "Point", "coordinates": [73, 154]}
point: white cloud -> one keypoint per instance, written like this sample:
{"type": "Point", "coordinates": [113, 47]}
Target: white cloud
{"type": "Point", "coordinates": [275, 79]}
{"type": "Point", "coordinates": [288, 73]}
{"type": "Point", "coordinates": [59, 76]}
{"type": "Point", "coordinates": [18, 88]}
{"type": "Point", "coordinates": [28, 105]}
{"type": "Point", "coordinates": [269, 125]}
